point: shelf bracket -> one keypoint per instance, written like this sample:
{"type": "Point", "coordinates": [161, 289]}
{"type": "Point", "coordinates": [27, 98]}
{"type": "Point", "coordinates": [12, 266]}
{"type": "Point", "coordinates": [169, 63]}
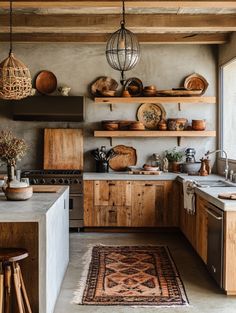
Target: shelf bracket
{"type": "Point", "coordinates": [111, 141]}
{"type": "Point", "coordinates": [111, 107]}
{"type": "Point", "coordinates": [178, 141]}
{"type": "Point", "coordinates": [179, 106]}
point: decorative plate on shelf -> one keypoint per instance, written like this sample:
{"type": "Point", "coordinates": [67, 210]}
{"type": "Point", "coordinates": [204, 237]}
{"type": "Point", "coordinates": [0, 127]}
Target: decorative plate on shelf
{"type": "Point", "coordinates": [134, 86]}
{"type": "Point", "coordinates": [125, 157]}
{"type": "Point", "coordinates": [196, 82]}
{"type": "Point", "coordinates": [150, 114]}
{"type": "Point", "coordinates": [46, 82]}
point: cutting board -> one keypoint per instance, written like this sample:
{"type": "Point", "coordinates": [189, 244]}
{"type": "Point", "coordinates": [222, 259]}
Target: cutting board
{"type": "Point", "coordinates": [227, 196]}
{"type": "Point", "coordinates": [46, 188]}
{"type": "Point", "coordinates": [63, 149]}
{"type": "Point", "coordinates": [143, 172]}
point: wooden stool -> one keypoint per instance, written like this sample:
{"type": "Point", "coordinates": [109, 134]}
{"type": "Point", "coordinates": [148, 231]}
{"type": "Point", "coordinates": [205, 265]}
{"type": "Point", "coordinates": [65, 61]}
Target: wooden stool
{"type": "Point", "coordinates": [10, 273]}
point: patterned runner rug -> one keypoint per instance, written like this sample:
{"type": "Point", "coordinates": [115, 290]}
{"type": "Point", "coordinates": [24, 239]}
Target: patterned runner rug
{"type": "Point", "coordinates": [133, 275]}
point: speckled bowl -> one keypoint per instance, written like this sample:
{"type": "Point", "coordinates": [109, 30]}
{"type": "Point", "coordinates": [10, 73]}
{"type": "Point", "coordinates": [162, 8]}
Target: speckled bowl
{"type": "Point", "coordinates": [18, 194]}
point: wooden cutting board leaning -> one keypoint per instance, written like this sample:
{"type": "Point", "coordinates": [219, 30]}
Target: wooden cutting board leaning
{"type": "Point", "coordinates": [227, 195]}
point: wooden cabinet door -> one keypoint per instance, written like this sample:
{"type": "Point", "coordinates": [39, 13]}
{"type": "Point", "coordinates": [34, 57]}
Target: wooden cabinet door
{"type": "Point", "coordinates": [155, 203]}
{"type": "Point", "coordinates": [112, 193]}
{"type": "Point", "coordinates": [201, 228]}
{"type": "Point", "coordinates": [187, 221]}
{"type": "Point", "coordinates": [107, 203]}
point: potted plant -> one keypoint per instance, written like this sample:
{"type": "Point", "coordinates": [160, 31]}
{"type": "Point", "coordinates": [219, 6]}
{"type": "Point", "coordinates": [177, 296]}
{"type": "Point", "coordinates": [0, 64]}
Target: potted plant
{"type": "Point", "coordinates": [12, 149]}
{"type": "Point", "coordinates": [174, 157]}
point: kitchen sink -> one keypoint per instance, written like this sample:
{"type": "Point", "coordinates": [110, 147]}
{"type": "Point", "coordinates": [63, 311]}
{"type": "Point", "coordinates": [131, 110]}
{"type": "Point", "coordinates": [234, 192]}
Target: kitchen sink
{"type": "Point", "coordinates": [213, 183]}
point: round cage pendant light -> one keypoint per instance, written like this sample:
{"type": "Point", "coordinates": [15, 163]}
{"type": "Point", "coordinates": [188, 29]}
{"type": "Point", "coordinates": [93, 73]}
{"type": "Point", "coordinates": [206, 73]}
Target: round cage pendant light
{"type": "Point", "coordinates": [122, 50]}
{"type": "Point", "coordinates": [15, 78]}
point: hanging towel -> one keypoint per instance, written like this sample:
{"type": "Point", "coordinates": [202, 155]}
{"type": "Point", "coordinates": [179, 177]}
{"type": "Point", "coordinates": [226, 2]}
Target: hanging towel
{"type": "Point", "coordinates": [189, 196]}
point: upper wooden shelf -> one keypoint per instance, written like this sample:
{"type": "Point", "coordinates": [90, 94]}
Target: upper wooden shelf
{"type": "Point", "coordinates": [113, 100]}
{"type": "Point", "coordinates": [154, 133]}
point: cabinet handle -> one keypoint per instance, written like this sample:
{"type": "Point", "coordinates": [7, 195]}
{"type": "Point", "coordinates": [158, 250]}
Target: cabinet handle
{"type": "Point", "coordinates": [111, 184]}
{"type": "Point", "coordinates": [213, 215]}
{"type": "Point", "coordinates": [148, 185]}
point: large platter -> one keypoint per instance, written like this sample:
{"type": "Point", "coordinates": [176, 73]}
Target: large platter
{"type": "Point", "coordinates": [125, 157]}
{"type": "Point", "coordinates": [196, 82]}
{"type": "Point", "coordinates": [150, 114]}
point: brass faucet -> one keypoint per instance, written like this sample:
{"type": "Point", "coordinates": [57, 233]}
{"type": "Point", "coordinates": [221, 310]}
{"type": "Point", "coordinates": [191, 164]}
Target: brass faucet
{"type": "Point", "coordinates": [226, 171]}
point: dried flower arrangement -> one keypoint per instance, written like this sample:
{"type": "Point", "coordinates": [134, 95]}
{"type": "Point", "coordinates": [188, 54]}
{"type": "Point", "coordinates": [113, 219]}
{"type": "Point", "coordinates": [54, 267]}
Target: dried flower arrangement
{"type": "Point", "coordinates": [12, 149]}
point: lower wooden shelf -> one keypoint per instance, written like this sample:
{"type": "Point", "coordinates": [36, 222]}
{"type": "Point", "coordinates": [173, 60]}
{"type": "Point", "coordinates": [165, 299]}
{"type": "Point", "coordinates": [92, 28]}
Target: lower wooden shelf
{"type": "Point", "coordinates": [153, 133]}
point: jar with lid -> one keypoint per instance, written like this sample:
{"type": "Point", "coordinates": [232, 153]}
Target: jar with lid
{"type": "Point", "coordinates": [156, 160]}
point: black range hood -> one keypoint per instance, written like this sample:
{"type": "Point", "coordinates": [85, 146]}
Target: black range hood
{"type": "Point", "coordinates": [48, 108]}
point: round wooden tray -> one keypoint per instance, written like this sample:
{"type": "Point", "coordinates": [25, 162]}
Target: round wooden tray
{"type": "Point", "coordinates": [196, 82]}
{"type": "Point", "coordinates": [126, 156]}
{"type": "Point", "coordinates": [150, 114]}
{"type": "Point", "coordinates": [46, 82]}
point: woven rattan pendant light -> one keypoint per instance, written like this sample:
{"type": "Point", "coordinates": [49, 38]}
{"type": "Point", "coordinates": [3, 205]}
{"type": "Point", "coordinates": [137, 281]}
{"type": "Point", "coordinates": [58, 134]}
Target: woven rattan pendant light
{"type": "Point", "coordinates": [15, 78]}
{"type": "Point", "coordinates": [122, 50]}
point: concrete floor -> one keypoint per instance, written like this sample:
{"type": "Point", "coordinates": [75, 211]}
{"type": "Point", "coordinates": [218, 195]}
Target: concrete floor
{"type": "Point", "coordinates": [203, 294]}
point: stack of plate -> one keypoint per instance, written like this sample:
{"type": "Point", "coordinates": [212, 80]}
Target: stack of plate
{"type": "Point", "coordinates": [136, 126]}
{"type": "Point", "coordinates": [150, 91]}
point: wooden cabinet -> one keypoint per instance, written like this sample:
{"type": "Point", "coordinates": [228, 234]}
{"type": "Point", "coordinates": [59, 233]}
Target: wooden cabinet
{"type": "Point", "coordinates": [107, 203]}
{"type": "Point", "coordinates": [187, 221]}
{"type": "Point", "coordinates": [130, 203]}
{"type": "Point", "coordinates": [154, 203]}
{"type": "Point", "coordinates": [201, 228]}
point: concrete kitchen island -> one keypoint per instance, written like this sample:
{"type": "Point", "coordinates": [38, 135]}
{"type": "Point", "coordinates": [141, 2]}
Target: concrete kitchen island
{"type": "Point", "coordinates": [41, 225]}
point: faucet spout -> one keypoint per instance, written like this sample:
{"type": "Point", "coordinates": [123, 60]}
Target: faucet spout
{"type": "Point", "coordinates": [226, 171]}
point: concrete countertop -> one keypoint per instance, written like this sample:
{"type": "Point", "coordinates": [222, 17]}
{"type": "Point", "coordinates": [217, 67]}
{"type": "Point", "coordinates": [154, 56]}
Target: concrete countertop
{"type": "Point", "coordinates": [126, 176]}
{"type": "Point", "coordinates": [210, 193]}
{"type": "Point", "coordinates": [30, 210]}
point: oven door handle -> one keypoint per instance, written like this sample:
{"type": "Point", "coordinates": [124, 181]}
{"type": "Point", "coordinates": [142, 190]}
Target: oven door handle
{"type": "Point", "coordinates": [210, 212]}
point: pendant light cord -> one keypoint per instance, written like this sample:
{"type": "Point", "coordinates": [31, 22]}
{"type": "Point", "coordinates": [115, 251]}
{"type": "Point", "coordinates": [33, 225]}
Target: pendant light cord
{"type": "Point", "coordinates": [123, 13]}
{"type": "Point", "coordinates": [10, 21]}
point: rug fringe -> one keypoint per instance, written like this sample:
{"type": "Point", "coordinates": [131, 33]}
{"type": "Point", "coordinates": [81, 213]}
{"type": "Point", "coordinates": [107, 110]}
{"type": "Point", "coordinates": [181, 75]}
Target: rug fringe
{"type": "Point", "coordinates": [78, 293]}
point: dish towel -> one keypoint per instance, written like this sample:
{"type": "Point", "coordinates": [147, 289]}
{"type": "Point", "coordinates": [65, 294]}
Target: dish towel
{"type": "Point", "coordinates": [189, 196]}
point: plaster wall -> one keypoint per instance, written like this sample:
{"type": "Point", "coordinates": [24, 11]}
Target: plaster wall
{"type": "Point", "coordinates": [76, 65]}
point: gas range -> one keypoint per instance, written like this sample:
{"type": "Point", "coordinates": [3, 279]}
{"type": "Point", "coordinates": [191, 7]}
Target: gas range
{"type": "Point", "coordinates": [72, 178]}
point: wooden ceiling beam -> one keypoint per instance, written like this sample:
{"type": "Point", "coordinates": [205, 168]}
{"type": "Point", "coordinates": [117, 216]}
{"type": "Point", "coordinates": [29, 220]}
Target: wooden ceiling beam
{"type": "Point", "coordinates": [98, 23]}
{"type": "Point", "coordinates": [117, 3]}
{"type": "Point", "coordinates": [219, 38]}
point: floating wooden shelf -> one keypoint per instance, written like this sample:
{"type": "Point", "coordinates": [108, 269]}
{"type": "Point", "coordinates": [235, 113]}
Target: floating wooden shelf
{"type": "Point", "coordinates": [153, 134]}
{"type": "Point", "coordinates": [114, 100]}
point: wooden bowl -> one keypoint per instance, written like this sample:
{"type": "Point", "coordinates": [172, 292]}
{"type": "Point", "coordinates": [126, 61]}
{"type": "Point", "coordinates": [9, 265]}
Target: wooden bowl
{"type": "Point", "coordinates": [18, 194]}
{"type": "Point", "coordinates": [110, 125]}
{"type": "Point", "coordinates": [150, 88]}
{"type": "Point", "coordinates": [136, 126]}
{"type": "Point", "coordinates": [198, 124]}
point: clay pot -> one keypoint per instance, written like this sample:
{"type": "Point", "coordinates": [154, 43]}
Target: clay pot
{"type": "Point", "coordinates": [176, 123]}
{"type": "Point", "coordinates": [198, 124]}
{"type": "Point", "coordinates": [162, 125]}
{"type": "Point", "coordinates": [175, 167]}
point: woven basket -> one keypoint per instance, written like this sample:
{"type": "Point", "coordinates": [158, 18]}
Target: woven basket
{"type": "Point", "coordinates": [15, 79]}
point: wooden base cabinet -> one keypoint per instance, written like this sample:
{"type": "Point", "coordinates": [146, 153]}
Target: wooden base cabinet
{"type": "Point", "coordinates": [187, 221]}
{"type": "Point", "coordinates": [201, 228]}
{"type": "Point", "coordinates": [130, 203]}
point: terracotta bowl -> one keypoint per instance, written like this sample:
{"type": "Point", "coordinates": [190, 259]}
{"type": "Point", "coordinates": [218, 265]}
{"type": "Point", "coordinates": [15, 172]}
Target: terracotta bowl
{"type": "Point", "coordinates": [198, 124]}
